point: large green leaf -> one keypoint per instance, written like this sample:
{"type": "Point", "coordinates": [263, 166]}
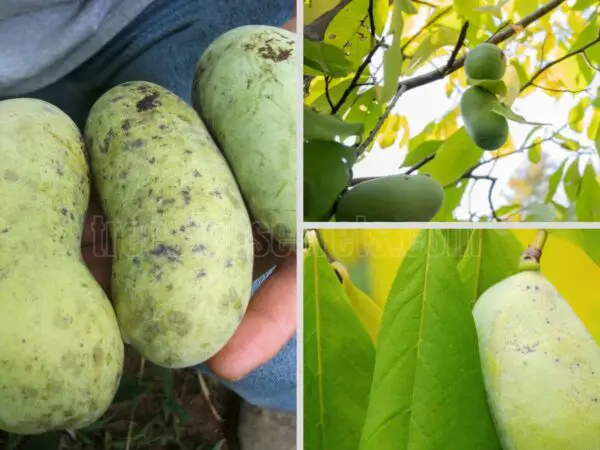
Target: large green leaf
{"type": "Point", "coordinates": [350, 31]}
{"type": "Point", "coordinates": [428, 391]}
{"type": "Point", "coordinates": [392, 68]}
{"type": "Point", "coordinates": [457, 154]}
{"type": "Point", "coordinates": [421, 152]}
{"type": "Point", "coordinates": [554, 181]}
{"type": "Point", "coordinates": [338, 359]}
{"type": "Point", "coordinates": [452, 198]}
{"type": "Point", "coordinates": [572, 180]}
{"type": "Point", "coordinates": [457, 242]}
{"type": "Point", "coordinates": [326, 59]}
{"type": "Point", "coordinates": [491, 256]}
{"type": "Point", "coordinates": [326, 127]}
{"type": "Point", "coordinates": [588, 203]}
{"type": "Point", "coordinates": [313, 9]}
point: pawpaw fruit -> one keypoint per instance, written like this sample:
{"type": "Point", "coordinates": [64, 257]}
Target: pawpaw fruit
{"type": "Point", "coordinates": [485, 62]}
{"type": "Point", "coordinates": [327, 172]}
{"type": "Point", "coordinates": [488, 130]}
{"type": "Point", "coordinates": [395, 198]}
{"type": "Point", "coordinates": [541, 366]}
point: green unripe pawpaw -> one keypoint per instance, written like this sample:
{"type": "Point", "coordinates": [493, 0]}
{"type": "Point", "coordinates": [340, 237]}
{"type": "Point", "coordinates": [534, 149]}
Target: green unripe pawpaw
{"type": "Point", "coordinates": [485, 62]}
{"type": "Point", "coordinates": [488, 130]}
{"type": "Point", "coordinates": [327, 172]}
{"type": "Point", "coordinates": [395, 198]}
{"type": "Point", "coordinates": [541, 366]}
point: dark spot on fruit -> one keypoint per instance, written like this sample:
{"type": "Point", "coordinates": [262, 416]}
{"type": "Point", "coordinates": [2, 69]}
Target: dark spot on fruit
{"type": "Point", "coordinates": [126, 125]}
{"type": "Point", "coordinates": [5, 230]}
{"type": "Point", "coordinates": [269, 52]}
{"type": "Point", "coordinates": [123, 174]}
{"type": "Point", "coordinates": [150, 101]}
{"type": "Point", "coordinates": [137, 143]}
{"type": "Point", "coordinates": [186, 196]}
{"type": "Point", "coordinates": [537, 288]}
{"type": "Point", "coordinates": [199, 248]}
{"type": "Point", "coordinates": [117, 98]}
{"type": "Point", "coordinates": [196, 174]}
{"type": "Point", "coordinates": [64, 211]}
{"type": "Point", "coordinates": [187, 151]}
{"type": "Point", "coordinates": [179, 322]}
{"type": "Point", "coordinates": [163, 127]}
{"type": "Point", "coordinates": [216, 193]}
{"type": "Point", "coordinates": [105, 146]}
{"type": "Point", "coordinates": [201, 274]}
{"type": "Point", "coordinates": [556, 360]}
{"type": "Point", "coordinates": [152, 160]}
{"type": "Point", "coordinates": [182, 228]}
{"type": "Point", "coordinates": [98, 356]}
{"type": "Point", "coordinates": [169, 287]}
{"type": "Point", "coordinates": [527, 288]}
{"type": "Point", "coordinates": [136, 261]}
{"type": "Point", "coordinates": [171, 252]}
{"type": "Point", "coordinates": [228, 263]}
{"type": "Point", "coordinates": [23, 341]}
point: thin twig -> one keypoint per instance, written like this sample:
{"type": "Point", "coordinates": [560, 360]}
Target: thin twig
{"type": "Point", "coordinates": [592, 65]}
{"type": "Point", "coordinates": [544, 88]}
{"type": "Point", "coordinates": [557, 61]}
{"type": "Point", "coordinates": [380, 121]}
{"type": "Point", "coordinates": [420, 164]}
{"type": "Point", "coordinates": [458, 46]}
{"type": "Point", "coordinates": [372, 20]}
{"type": "Point", "coordinates": [421, 2]}
{"type": "Point", "coordinates": [427, 24]}
{"type": "Point", "coordinates": [208, 397]}
{"type": "Point", "coordinates": [327, 93]}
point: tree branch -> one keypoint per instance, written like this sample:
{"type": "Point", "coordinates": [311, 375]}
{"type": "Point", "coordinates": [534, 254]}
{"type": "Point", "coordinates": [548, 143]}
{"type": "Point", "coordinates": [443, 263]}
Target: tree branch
{"type": "Point", "coordinates": [458, 46]}
{"type": "Point", "coordinates": [587, 59]}
{"type": "Point", "coordinates": [557, 61]}
{"type": "Point", "coordinates": [420, 164]}
{"type": "Point", "coordinates": [380, 121]}
{"type": "Point", "coordinates": [502, 36]}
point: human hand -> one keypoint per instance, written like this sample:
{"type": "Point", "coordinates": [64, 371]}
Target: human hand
{"type": "Point", "coordinates": [270, 320]}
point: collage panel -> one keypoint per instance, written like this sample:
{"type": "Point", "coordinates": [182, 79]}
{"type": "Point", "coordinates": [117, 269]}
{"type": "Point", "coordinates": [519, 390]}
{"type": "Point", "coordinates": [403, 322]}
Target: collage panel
{"type": "Point", "coordinates": [445, 111]}
{"type": "Point", "coordinates": [458, 339]}
{"type": "Point", "coordinates": [148, 226]}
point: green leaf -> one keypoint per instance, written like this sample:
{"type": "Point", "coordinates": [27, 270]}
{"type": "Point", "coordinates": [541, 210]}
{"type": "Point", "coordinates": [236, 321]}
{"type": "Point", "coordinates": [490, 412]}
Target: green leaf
{"type": "Point", "coordinates": [427, 383]}
{"type": "Point", "coordinates": [588, 203]}
{"type": "Point", "coordinates": [366, 110]}
{"type": "Point", "coordinates": [577, 114]}
{"type": "Point", "coordinates": [326, 59]}
{"type": "Point", "coordinates": [406, 6]}
{"type": "Point", "coordinates": [497, 87]}
{"type": "Point", "coordinates": [581, 5]}
{"type": "Point", "coordinates": [397, 25]}
{"type": "Point", "coordinates": [313, 9]}
{"type": "Point", "coordinates": [438, 38]}
{"type": "Point", "coordinates": [505, 111]}
{"type": "Point", "coordinates": [540, 212]}
{"type": "Point", "coordinates": [457, 241]}
{"type": "Point", "coordinates": [326, 127]}
{"type": "Point", "coordinates": [554, 181]}
{"type": "Point", "coordinates": [572, 180]}
{"type": "Point", "coordinates": [587, 240]}
{"type": "Point", "coordinates": [597, 141]}
{"type": "Point", "coordinates": [338, 359]}
{"type": "Point", "coordinates": [468, 9]}
{"type": "Point", "coordinates": [457, 154]}
{"type": "Point", "coordinates": [350, 31]}
{"type": "Point", "coordinates": [392, 69]}
{"type": "Point", "coordinates": [421, 152]}
{"type": "Point", "coordinates": [491, 256]}
{"type": "Point", "coordinates": [452, 198]}
{"type": "Point", "coordinates": [534, 154]}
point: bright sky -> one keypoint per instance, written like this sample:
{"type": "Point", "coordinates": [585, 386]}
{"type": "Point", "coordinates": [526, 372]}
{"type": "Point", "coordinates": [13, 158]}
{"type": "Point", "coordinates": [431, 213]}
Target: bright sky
{"type": "Point", "coordinates": [428, 103]}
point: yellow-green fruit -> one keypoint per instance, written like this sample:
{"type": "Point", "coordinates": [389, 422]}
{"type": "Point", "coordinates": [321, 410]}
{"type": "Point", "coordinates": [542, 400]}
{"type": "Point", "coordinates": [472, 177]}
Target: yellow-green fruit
{"type": "Point", "coordinates": [541, 366]}
{"type": "Point", "coordinates": [61, 352]}
{"type": "Point", "coordinates": [488, 130]}
{"type": "Point", "coordinates": [183, 266]}
{"type": "Point", "coordinates": [395, 198]}
{"type": "Point", "coordinates": [485, 62]}
{"type": "Point", "coordinates": [246, 90]}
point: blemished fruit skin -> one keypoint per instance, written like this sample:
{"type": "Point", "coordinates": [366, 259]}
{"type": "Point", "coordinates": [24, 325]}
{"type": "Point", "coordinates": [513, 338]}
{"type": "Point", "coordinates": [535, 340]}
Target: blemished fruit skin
{"type": "Point", "coordinates": [488, 130]}
{"type": "Point", "coordinates": [327, 172]}
{"type": "Point", "coordinates": [61, 352]}
{"type": "Point", "coordinates": [541, 366]}
{"type": "Point", "coordinates": [395, 198]}
{"type": "Point", "coordinates": [485, 62]}
{"type": "Point", "coordinates": [245, 89]}
{"type": "Point", "coordinates": [183, 242]}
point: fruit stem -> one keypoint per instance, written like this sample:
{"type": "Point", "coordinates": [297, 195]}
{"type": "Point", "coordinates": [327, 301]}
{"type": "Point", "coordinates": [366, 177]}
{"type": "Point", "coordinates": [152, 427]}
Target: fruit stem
{"type": "Point", "coordinates": [530, 259]}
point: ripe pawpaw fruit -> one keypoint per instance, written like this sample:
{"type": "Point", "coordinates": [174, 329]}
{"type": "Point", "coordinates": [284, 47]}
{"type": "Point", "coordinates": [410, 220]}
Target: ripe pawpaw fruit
{"type": "Point", "coordinates": [327, 172]}
{"type": "Point", "coordinates": [485, 62]}
{"type": "Point", "coordinates": [488, 130]}
{"type": "Point", "coordinates": [395, 198]}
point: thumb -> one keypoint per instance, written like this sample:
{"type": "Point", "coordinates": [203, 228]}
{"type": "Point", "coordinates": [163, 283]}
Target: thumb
{"type": "Point", "coordinates": [269, 323]}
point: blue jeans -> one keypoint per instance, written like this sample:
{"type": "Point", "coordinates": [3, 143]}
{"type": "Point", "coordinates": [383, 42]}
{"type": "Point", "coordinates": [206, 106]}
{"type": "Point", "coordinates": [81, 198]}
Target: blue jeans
{"type": "Point", "coordinates": [163, 45]}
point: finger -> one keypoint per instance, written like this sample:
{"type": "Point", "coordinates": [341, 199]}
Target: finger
{"type": "Point", "coordinates": [269, 323]}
